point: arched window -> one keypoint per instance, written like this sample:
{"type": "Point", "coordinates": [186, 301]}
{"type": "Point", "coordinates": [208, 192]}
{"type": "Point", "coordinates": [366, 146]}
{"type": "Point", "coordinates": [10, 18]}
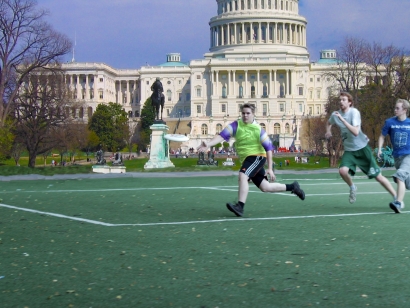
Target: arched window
{"type": "Point", "coordinates": [218, 128]}
{"type": "Point", "coordinates": [130, 114]}
{"type": "Point", "coordinates": [240, 91]}
{"type": "Point", "coordinates": [276, 129]}
{"type": "Point", "coordinates": [282, 91]}
{"type": "Point", "coordinates": [253, 91]}
{"type": "Point", "coordinates": [81, 113]}
{"type": "Point", "coordinates": [287, 128]}
{"type": "Point", "coordinates": [265, 91]}
{"type": "Point", "coordinates": [137, 113]}
{"type": "Point", "coordinates": [204, 129]}
{"type": "Point", "coordinates": [263, 126]}
{"type": "Point", "coordinates": [224, 92]}
{"type": "Point", "coordinates": [169, 95]}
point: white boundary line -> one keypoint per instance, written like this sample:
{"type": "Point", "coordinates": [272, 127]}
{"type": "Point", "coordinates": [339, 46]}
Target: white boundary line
{"type": "Point", "coordinates": [187, 222]}
{"type": "Point", "coordinates": [219, 187]}
{"type": "Point", "coordinates": [56, 215]}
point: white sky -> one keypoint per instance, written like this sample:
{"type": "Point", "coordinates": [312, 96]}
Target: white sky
{"type": "Point", "coordinates": [131, 33]}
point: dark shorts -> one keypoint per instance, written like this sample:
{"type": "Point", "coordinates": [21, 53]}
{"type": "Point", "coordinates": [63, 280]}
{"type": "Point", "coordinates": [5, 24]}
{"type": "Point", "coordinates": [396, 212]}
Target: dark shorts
{"type": "Point", "coordinates": [363, 159]}
{"type": "Point", "coordinates": [252, 166]}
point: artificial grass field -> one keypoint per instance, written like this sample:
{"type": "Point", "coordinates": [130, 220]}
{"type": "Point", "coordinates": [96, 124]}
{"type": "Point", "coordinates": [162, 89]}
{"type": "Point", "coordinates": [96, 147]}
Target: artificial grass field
{"type": "Point", "coordinates": [171, 242]}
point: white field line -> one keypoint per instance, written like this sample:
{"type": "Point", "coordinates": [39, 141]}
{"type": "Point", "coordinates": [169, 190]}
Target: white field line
{"type": "Point", "coordinates": [57, 215]}
{"type": "Point", "coordinates": [222, 187]}
{"type": "Point", "coordinates": [188, 222]}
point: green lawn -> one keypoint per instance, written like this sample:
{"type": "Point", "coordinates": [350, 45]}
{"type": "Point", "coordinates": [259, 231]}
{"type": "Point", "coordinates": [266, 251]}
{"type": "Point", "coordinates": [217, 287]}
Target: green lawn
{"type": "Point", "coordinates": [171, 242]}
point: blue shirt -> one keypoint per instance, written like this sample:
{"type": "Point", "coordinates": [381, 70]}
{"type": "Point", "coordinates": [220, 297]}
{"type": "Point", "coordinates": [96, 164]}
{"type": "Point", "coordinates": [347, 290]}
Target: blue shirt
{"type": "Point", "coordinates": [399, 132]}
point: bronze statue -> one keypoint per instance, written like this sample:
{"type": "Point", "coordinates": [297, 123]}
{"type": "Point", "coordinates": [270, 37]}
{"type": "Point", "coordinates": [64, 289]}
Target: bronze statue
{"type": "Point", "coordinates": [157, 98]}
{"type": "Point", "coordinates": [100, 157]}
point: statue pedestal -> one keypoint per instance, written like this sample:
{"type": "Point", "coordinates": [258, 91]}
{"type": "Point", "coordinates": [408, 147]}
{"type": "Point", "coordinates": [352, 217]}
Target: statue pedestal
{"type": "Point", "coordinates": [159, 150]}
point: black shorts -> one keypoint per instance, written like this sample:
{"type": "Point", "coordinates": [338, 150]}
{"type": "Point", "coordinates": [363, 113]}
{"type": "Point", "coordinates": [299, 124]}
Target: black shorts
{"type": "Point", "coordinates": [252, 166]}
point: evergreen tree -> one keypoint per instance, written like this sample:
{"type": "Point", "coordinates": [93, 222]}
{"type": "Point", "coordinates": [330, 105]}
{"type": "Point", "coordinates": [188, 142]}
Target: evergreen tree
{"type": "Point", "coordinates": [147, 119]}
{"type": "Point", "coordinates": [110, 124]}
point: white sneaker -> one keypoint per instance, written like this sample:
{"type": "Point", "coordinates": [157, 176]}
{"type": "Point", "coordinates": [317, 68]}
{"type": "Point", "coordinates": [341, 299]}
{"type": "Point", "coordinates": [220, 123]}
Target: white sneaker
{"type": "Point", "coordinates": [352, 195]}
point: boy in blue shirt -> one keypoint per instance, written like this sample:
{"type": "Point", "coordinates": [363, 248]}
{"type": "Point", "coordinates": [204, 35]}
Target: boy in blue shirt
{"type": "Point", "coordinates": [398, 128]}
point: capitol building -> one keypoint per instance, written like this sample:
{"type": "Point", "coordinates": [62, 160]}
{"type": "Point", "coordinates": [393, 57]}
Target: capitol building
{"type": "Point", "coordinates": [257, 55]}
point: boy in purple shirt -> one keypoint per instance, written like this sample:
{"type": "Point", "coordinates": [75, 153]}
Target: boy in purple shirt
{"type": "Point", "coordinates": [254, 148]}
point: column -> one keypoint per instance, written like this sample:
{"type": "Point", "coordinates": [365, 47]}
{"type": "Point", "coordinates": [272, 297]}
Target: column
{"type": "Point", "coordinates": [95, 87]}
{"type": "Point", "coordinates": [211, 83]}
{"type": "Point", "coordinates": [119, 93]}
{"type": "Point", "coordinates": [270, 84]}
{"type": "Point", "coordinates": [259, 32]}
{"type": "Point", "coordinates": [246, 85]}
{"type": "Point", "coordinates": [128, 92]}
{"type": "Point", "coordinates": [257, 94]}
{"type": "Point", "coordinates": [274, 33]}
{"type": "Point", "coordinates": [274, 82]}
{"type": "Point", "coordinates": [222, 36]}
{"type": "Point", "coordinates": [79, 96]}
{"type": "Point", "coordinates": [288, 76]}
{"type": "Point", "coordinates": [234, 85]}
{"type": "Point", "coordinates": [235, 33]}
{"type": "Point", "coordinates": [216, 83]}
{"type": "Point", "coordinates": [243, 34]}
{"type": "Point", "coordinates": [87, 90]}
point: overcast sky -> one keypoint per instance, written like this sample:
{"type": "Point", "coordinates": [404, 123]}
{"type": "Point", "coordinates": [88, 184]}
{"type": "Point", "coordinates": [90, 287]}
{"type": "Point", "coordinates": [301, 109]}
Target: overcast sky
{"type": "Point", "coordinates": [131, 33]}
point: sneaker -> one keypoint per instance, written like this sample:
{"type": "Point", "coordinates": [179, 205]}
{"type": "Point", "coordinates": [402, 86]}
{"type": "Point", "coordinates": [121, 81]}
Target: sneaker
{"type": "Point", "coordinates": [395, 206]}
{"type": "Point", "coordinates": [297, 191]}
{"type": "Point", "coordinates": [235, 208]}
{"type": "Point", "coordinates": [352, 195]}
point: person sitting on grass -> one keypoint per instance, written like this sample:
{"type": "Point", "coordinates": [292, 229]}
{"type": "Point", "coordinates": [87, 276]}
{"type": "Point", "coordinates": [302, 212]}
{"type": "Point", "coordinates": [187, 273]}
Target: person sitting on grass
{"type": "Point", "coordinates": [254, 148]}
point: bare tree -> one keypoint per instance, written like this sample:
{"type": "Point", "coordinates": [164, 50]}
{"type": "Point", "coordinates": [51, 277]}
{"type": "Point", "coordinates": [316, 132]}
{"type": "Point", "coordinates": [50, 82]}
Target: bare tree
{"type": "Point", "coordinates": [334, 145]}
{"type": "Point", "coordinates": [350, 72]}
{"type": "Point", "coordinates": [40, 108]}
{"type": "Point", "coordinates": [401, 76]}
{"type": "Point", "coordinates": [130, 135]}
{"type": "Point", "coordinates": [27, 43]}
{"type": "Point", "coordinates": [314, 129]}
{"type": "Point", "coordinates": [380, 63]}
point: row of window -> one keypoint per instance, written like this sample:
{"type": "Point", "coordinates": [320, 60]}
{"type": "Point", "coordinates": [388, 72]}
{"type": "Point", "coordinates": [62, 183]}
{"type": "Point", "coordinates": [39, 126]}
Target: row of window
{"type": "Point", "coordinates": [236, 5]}
{"type": "Point", "coordinates": [276, 128]}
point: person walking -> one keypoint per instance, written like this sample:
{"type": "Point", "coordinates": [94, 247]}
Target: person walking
{"type": "Point", "coordinates": [398, 129]}
{"type": "Point", "coordinates": [254, 149]}
{"type": "Point", "coordinates": [357, 152]}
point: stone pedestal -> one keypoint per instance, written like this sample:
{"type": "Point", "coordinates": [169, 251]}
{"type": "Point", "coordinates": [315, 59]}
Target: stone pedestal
{"type": "Point", "coordinates": [108, 169]}
{"type": "Point", "coordinates": [159, 150]}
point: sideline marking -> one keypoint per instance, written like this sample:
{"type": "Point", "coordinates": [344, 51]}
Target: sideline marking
{"type": "Point", "coordinates": [57, 215]}
{"type": "Point", "coordinates": [189, 222]}
{"type": "Point", "coordinates": [218, 187]}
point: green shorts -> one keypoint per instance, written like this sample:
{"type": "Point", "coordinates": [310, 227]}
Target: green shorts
{"type": "Point", "coordinates": [363, 159]}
